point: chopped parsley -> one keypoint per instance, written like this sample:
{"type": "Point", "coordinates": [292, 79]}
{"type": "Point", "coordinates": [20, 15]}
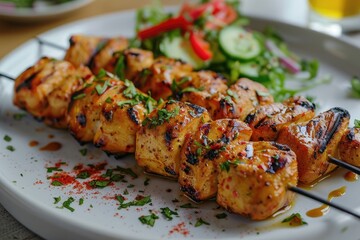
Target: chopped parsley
{"type": "Point", "coordinates": [67, 204]}
{"type": "Point", "coordinates": [200, 222]}
{"type": "Point", "coordinates": [187, 205]}
{"type": "Point", "coordinates": [146, 182]}
{"type": "Point", "coordinates": [10, 148]}
{"type": "Point", "coordinates": [99, 183]}
{"type": "Point", "coordinates": [357, 123]}
{"type": "Point", "coordinates": [232, 94]}
{"type": "Point", "coordinates": [167, 213]}
{"type": "Point", "coordinates": [221, 215]}
{"type": "Point", "coordinates": [355, 84]}
{"type": "Point", "coordinates": [139, 201]}
{"type": "Point", "coordinates": [149, 219]}
{"type": "Point", "coordinates": [101, 89]}
{"type": "Point", "coordinates": [294, 220]}
{"type": "Point", "coordinates": [7, 138]}
{"type": "Point", "coordinates": [83, 151]}
{"type": "Point", "coordinates": [81, 201]}
{"type": "Point", "coordinates": [226, 165]}
{"type": "Point", "coordinates": [19, 116]}
{"type": "Point", "coordinates": [108, 100]}
{"type": "Point", "coordinates": [83, 175]}
{"type": "Point", "coordinates": [130, 186]}
{"type": "Point", "coordinates": [127, 171]}
{"type": "Point", "coordinates": [163, 115]}
{"type": "Point", "coordinates": [120, 67]}
{"type": "Point", "coordinates": [56, 183]}
{"type": "Point", "coordinates": [126, 192]}
{"type": "Point", "coordinates": [57, 200]}
{"type": "Point", "coordinates": [53, 169]}
{"type": "Point", "coordinates": [79, 96]}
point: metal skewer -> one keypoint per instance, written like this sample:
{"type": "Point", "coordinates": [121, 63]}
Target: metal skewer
{"type": "Point", "coordinates": [50, 44]}
{"type": "Point", "coordinates": [343, 164]}
{"type": "Point", "coordinates": [324, 201]}
{"type": "Point", "coordinates": [7, 76]}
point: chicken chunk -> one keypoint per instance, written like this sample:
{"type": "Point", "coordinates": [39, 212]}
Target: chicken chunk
{"type": "Point", "coordinates": [121, 117]}
{"type": "Point", "coordinates": [95, 52]}
{"type": "Point", "coordinates": [201, 155]}
{"type": "Point", "coordinates": [44, 90]}
{"type": "Point", "coordinates": [159, 141]}
{"type": "Point", "coordinates": [349, 147]}
{"type": "Point", "coordinates": [160, 77]}
{"type": "Point", "coordinates": [254, 180]}
{"type": "Point", "coordinates": [85, 108]}
{"type": "Point", "coordinates": [267, 120]}
{"type": "Point", "coordinates": [240, 99]}
{"type": "Point", "coordinates": [313, 141]}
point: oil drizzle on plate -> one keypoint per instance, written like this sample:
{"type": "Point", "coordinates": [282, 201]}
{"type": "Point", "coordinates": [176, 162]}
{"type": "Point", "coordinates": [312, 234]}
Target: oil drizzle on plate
{"type": "Point", "coordinates": [33, 143]}
{"type": "Point", "coordinates": [351, 177]}
{"type": "Point", "coordinates": [52, 146]}
{"type": "Point", "coordinates": [324, 209]}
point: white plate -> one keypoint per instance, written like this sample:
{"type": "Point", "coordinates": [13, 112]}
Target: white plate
{"type": "Point", "coordinates": [41, 13]}
{"type": "Point", "coordinates": [32, 203]}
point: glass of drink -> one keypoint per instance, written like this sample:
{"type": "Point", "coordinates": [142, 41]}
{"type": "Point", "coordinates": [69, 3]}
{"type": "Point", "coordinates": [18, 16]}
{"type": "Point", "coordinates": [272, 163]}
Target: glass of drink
{"type": "Point", "coordinates": [334, 16]}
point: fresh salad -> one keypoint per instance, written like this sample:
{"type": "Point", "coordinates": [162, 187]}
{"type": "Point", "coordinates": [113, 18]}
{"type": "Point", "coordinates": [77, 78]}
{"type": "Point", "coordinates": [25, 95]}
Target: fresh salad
{"type": "Point", "coordinates": [214, 35]}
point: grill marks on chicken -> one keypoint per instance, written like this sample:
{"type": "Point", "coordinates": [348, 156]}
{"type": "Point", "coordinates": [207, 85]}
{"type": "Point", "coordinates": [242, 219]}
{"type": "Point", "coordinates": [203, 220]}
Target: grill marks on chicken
{"type": "Point", "coordinates": [204, 151]}
{"type": "Point", "coordinates": [159, 142]}
{"type": "Point", "coordinates": [349, 147]}
{"type": "Point", "coordinates": [314, 140]}
{"type": "Point", "coordinates": [45, 89]}
{"type": "Point", "coordinates": [94, 52]}
{"type": "Point", "coordinates": [109, 119]}
{"type": "Point", "coordinates": [256, 186]}
{"type": "Point", "coordinates": [267, 120]}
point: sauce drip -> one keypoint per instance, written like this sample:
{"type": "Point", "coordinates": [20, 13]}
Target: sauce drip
{"type": "Point", "coordinates": [33, 143]}
{"type": "Point", "coordinates": [52, 146]}
{"type": "Point", "coordinates": [351, 177]}
{"type": "Point", "coordinates": [324, 209]}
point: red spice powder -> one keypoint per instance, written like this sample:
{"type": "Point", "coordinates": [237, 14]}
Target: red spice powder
{"type": "Point", "coordinates": [63, 177]}
{"type": "Point", "coordinates": [180, 228]}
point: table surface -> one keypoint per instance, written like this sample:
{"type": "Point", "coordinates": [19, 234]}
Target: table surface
{"type": "Point", "coordinates": [13, 35]}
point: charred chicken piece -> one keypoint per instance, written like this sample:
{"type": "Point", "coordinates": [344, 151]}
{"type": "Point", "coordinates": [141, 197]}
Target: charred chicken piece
{"type": "Point", "coordinates": [240, 99]}
{"type": "Point", "coordinates": [121, 116]}
{"type": "Point", "coordinates": [94, 52]}
{"type": "Point", "coordinates": [267, 120]}
{"type": "Point", "coordinates": [44, 90]}
{"type": "Point", "coordinates": [349, 147]}
{"type": "Point", "coordinates": [202, 153]}
{"type": "Point", "coordinates": [160, 76]}
{"type": "Point", "coordinates": [253, 181]}
{"type": "Point", "coordinates": [159, 141]}
{"type": "Point", "coordinates": [313, 141]}
{"type": "Point", "coordinates": [86, 106]}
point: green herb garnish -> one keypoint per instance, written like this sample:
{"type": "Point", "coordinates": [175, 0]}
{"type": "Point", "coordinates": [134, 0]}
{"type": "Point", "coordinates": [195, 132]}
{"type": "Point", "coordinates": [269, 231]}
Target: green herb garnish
{"type": "Point", "coordinates": [149, 219]}
{"type": "Point", "coordinates": [101, 89]}
{"type": "Point", "coordinates": [200, 222]}
{"type": "Point", "coordinates": [83, 151]}
{"type": "Point", "coordinates": [357, 123]}
{"type": "Point", "coordinates": [83, 175]}
{"type": "Point", "coordinates": [127, 171]}
{"type": "Point", "coordinates": [81, 201]}
{"type": "Point", "coordinates": [67, 204]}
{"type": "Point", "coordinates": [140, 202]}
{"type": "Point", "coordinates": [294, 220]}
{"type": "Point", "coordinates": [163, 115]}
{"type": "Point", "coordinates": [187, 205]}
{"type": "Point", "coordinates": [57, 200]}
{"type": "Point", "coordinates": [19, 116]}
{"type": "Point", "coordinates": [7, 138]}
{"type": "Point", "coordinates": [10, 148]}
{"type": "Point", "coordinates": [99, 183]}
{"type": "Point", "coordinates": [167, 212]}
{"type": "Point", "coordinates": [56, 183]}
{"type": "Point", "coordinates": [79, 96]}
{"type": "Point", "coordinates": [53, 169]}
{"type": "Point", "coordinates": [221, 215]}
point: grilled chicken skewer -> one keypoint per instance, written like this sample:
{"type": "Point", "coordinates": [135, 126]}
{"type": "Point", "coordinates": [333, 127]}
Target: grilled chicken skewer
{"type": "Point", "coordinates": [175, 165]}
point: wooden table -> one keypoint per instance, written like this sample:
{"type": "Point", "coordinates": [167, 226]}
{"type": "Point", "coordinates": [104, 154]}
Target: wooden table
{"type": "Point", "coordinates": [14, 34]}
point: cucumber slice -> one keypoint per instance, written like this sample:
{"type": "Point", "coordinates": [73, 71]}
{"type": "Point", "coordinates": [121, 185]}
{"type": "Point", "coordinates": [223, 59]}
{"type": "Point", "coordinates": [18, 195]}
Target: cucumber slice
{"type": "Point", "coordinates": [239, 44]}
{"type": "Point", "coordinates": [180, 48]}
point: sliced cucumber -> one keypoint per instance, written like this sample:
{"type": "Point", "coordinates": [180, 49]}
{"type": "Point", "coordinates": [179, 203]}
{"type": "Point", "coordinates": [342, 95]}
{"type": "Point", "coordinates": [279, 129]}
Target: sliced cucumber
{"type": "Point", "coordinates": [239, 44]}
{"type": "Point", "coordinates": [180, 48]}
